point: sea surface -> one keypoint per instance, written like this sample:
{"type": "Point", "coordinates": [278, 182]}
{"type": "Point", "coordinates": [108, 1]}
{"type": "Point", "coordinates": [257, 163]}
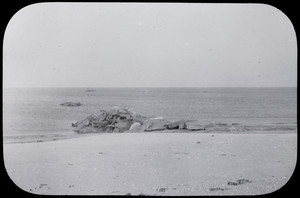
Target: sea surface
{"type": "Point", "coordinates": [38, 111]}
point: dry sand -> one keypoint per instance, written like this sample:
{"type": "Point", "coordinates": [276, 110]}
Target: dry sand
{"type": "Point", "coordinates": [154, 164]}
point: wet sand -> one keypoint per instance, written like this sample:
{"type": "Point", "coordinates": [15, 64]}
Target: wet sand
{"type": "Point", "coordinates": [154, 164]}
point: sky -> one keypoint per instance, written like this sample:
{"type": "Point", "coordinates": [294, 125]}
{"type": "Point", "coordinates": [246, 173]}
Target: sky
{"type": "Point", "coordinates": [149, 45]}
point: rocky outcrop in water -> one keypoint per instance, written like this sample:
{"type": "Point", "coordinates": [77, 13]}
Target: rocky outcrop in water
{"type": "Point", "coordinates": [118, 120]}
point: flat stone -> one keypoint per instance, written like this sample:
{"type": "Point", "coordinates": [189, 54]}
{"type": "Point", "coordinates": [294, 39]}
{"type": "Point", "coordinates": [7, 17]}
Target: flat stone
{"type": "Point", "coordinates": [155, 124]}
{"type": "Point", "coordinates": [194, 126]}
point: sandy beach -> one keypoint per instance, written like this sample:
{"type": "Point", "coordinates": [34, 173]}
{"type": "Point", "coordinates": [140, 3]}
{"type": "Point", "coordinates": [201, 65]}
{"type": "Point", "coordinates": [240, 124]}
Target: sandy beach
{"type": "Point", "coordinates": [154, 164]}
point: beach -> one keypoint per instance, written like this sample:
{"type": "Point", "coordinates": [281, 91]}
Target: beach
{"type": "Point", "coordinates": [249, 146]}
{"type": "Point", "coordinates": [154, 164]}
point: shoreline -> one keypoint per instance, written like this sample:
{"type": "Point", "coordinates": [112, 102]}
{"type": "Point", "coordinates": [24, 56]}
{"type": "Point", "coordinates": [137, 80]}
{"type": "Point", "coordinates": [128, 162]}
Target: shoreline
{"type": "Point", "coordinates": [154, 164]}
{"type": "Point", "coordinates": [274, 128]}
{"type": "Point", "coordinates": [38, 138]}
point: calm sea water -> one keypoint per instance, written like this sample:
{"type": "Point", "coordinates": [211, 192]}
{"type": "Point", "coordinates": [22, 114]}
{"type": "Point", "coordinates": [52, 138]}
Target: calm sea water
{"type": "Point", "coordinates": [38, 110]}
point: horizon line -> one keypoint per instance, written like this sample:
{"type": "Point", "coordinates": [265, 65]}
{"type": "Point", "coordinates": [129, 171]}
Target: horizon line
{"type": "Point", "coordinates": [115, 87]}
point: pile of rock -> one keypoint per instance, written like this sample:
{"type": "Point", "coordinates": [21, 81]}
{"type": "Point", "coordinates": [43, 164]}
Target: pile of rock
{"type": "Point", "coordinates": [120, 120]}
{"type": "Point", "coordinates": [114, 120]}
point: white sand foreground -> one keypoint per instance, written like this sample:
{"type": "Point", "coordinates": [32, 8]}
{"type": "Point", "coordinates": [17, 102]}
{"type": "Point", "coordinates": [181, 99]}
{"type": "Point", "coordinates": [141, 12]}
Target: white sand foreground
{"type": "Point", "coordinates": [154, 164]}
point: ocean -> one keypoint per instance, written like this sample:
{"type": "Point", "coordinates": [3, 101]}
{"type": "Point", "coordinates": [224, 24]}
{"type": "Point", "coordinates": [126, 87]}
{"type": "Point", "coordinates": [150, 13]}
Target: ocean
{"type": "Point", "coordinates": [28, 111]}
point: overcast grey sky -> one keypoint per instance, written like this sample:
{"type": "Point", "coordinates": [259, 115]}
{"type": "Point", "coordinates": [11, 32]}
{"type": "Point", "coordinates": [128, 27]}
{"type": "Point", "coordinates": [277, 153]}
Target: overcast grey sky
{"type": "Point", "coordinates": [149, 45]}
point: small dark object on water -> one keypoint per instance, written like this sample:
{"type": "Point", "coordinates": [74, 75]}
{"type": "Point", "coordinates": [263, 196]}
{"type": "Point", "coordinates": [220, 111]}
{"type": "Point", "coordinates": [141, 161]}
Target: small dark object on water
{"type": "Point", "coordinates": [198, 142]}
{"type": "Point", "coordinates": [71, 104]}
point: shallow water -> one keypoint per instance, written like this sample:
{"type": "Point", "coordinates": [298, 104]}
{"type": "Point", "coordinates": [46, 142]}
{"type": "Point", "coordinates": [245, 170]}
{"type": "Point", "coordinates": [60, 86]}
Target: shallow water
{"type": "Point", "coordinates": [38, 110]}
